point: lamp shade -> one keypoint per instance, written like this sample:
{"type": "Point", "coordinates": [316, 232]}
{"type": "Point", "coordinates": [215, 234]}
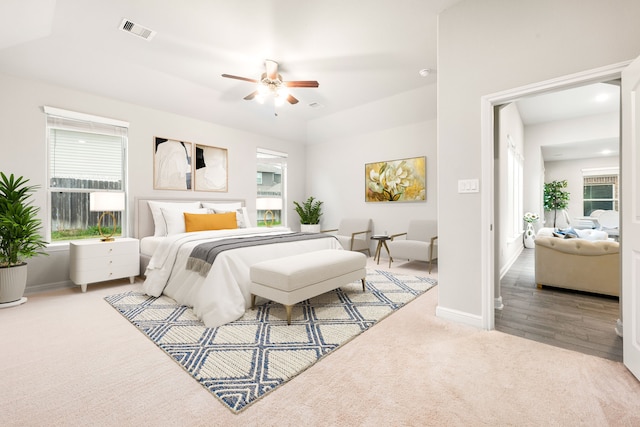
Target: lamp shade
{"type": "Point", "coordinates": [106, 201]}
{"type": "Point", "coordinates": [269, 204]}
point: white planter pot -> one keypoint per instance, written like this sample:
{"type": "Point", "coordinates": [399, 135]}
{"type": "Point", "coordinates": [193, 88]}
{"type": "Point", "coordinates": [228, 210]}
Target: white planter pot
{"type": "Point", "coordinates": [13, 281]}
{"type": "Point", "coordinates": [310, 228]}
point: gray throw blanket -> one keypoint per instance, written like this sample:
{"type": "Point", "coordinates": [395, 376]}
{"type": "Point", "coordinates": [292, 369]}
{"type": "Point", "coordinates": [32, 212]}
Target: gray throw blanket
{"type": "Point", "coordinates": [203, 255]}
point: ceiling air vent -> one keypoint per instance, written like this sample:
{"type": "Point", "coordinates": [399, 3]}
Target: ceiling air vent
{"type": "Point", "coordinates": [136, 29]}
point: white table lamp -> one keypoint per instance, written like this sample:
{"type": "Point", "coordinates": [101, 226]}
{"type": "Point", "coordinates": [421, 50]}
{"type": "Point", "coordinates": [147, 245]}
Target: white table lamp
{"type": "Point", "coordinates": [269, 204]}
{"type": "Point", "coordinates": [106, 202]}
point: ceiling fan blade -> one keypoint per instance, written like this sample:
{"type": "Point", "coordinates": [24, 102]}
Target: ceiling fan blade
{"type": "Point", "coordinates": [251, 95]}
{"type": "Point", "coordinates": [229, 76]}
{"type": "Point", "coordinates": [292, 100]}
{"type": "Point", "coordinates": [302, 83]}
{"type": "Point", "coordinates": [272, 69]}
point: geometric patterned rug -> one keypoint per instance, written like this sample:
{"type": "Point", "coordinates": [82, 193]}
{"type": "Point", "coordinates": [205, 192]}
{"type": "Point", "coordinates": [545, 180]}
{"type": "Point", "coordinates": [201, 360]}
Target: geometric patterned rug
{"type": "Point", "coordinates": [243, 360]}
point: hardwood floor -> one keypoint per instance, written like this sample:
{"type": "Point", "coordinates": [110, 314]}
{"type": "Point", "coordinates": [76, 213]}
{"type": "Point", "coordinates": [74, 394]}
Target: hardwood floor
{"type": "Point", "coordinates": [569, 319]}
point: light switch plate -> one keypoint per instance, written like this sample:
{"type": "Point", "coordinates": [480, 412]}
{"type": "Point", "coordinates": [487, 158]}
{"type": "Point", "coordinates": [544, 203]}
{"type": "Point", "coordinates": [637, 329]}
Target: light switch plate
{"type": "Point", "coordinates": [468, 185]}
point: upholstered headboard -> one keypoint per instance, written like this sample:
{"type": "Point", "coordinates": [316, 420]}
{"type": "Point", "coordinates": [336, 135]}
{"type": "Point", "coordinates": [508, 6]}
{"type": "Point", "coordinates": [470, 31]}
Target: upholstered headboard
{"type": "Point", "coordinates": [144, 219]}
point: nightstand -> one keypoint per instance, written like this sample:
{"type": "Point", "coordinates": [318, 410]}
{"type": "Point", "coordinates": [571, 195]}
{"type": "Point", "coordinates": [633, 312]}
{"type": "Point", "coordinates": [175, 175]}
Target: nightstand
{"type": "Point", "coordinates": [97, 261]}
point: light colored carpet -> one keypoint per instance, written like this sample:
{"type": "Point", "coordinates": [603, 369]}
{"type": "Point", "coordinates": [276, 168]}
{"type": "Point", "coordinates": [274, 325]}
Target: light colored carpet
{"type": "Point", "coordinates": [69, 359]}
{"type": "Point", "coordinates": [244, 360]}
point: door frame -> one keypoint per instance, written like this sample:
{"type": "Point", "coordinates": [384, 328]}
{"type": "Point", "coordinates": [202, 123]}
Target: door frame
{"type": "Point", "coordinates": [487, 206]}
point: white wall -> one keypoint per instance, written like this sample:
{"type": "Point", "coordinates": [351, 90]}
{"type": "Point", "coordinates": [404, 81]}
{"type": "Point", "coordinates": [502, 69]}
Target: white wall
{"type": "Point", "coordinates": [24, 153]}
{"type": "Point", "coordinates": [571, 170]}
{"type": "Point", "coordinates": [490, 46]}
{"type": "Point", "coordinates": [336, 159]}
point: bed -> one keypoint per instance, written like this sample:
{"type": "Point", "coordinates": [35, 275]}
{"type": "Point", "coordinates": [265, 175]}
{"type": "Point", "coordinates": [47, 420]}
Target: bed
{"type": "Point", "coordinates": [220, 294]}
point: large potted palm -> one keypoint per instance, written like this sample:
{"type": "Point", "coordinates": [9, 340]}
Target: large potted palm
{"type": "Point", "coordinates": [19, 237]}
{"type": "Point", "coordinates": [310, 212]}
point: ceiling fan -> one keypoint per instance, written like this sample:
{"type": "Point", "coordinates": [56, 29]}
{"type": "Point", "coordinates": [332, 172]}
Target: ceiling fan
{"type": "Point", "coordinates": [271, 83]}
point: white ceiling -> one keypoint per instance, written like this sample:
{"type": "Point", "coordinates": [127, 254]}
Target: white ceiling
{"type": "Point", "coordinates": [583, 101]}
{"type": "Point", "coordinates": [359, 51]}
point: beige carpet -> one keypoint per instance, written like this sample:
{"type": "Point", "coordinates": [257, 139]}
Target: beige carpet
{"type": "Point", "coordinates": [68, 358]}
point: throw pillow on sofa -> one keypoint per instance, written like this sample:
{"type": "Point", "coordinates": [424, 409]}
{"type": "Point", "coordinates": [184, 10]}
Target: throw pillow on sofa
{"type": "Point", "coordinates": [567, 233]}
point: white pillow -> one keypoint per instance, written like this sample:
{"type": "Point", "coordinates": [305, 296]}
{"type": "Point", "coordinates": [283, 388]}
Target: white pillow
{"type": "Point", "coordinates": [158, 219]}
{"type": "Point", "coordinates": [245, 217]}
{"type": "Point", "coordinates": [222, 207]}
{"type": "Point", "coordinates": [242, 216]}
{"type": "Point", "coordinates": [174, 218]}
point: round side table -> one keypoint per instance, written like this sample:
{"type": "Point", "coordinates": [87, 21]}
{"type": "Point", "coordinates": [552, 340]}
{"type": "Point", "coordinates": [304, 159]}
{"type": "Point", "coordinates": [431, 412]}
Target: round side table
{"type": "Point", "coordinates": [382, 241]}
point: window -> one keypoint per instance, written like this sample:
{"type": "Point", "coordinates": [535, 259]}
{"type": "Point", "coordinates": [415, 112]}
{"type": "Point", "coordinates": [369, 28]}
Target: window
{"type": "Point", "coordinates": [515, 187]}
{"type": "Point", "coordinates": [271, 182]}
{"type": "Point", "coordinates": [600, 190]}
{"type": "Point", "coordinates": [85, 154]}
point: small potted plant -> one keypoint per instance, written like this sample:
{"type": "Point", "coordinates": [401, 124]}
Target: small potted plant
{"type": "Point", "coordinates": [19, 236]}
{"type": "Point", "coordinates": [310, 212]}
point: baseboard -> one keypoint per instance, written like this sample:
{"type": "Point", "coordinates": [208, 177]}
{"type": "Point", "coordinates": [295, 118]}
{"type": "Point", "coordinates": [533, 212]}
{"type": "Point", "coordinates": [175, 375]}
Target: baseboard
{"type": "Point", "coordinates": [460, 317]}
{"type": "Point", "coordinates": [505, 268]}
{"type": "Point", "coordinates": [34, 289]}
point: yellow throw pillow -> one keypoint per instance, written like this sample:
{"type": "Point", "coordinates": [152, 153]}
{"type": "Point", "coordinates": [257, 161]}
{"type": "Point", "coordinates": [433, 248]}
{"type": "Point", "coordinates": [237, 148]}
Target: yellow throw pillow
{"type": "Point", "coordinates": [202, 222]}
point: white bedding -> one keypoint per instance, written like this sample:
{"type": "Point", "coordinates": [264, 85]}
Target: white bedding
{"type": "Point", "coordinates": [223, 295]}
{"type": "Point", "coordinates": [149, 244]}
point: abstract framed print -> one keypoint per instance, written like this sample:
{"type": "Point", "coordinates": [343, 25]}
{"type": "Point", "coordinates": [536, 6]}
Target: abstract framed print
{"type": "Point", "coordinates": [171, 164]}
{"type": "Point", "coordinates": [211, 172]}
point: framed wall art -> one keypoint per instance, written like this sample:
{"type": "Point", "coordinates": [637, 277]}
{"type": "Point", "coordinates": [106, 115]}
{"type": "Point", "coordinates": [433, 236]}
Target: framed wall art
{"type": "Point", "coordinates": [171, 164]}
{"type": "Point", "coordinates": [401, 180]}
{"type": "Point", "coordinates": [211, 168]}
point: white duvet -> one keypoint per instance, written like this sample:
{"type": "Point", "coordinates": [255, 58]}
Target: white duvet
{"type": "Point", "coordinates": [224, 294]}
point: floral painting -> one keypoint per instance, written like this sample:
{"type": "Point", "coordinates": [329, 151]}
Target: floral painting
{"type": "Point", "coordinates": [396, 180]}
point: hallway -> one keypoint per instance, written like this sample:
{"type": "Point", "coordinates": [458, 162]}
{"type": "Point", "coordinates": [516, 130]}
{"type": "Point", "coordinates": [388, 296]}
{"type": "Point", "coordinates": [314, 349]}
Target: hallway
{"type": "Point", "coordinates": [569, 319]}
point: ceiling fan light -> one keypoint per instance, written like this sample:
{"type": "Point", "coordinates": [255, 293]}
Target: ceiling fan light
{"type": "Point", "coordinates": [283, 92]}
{"type": "Point", "coordinates": [279, 101]}
{"type": "Point", "coordinates": [260, 99]}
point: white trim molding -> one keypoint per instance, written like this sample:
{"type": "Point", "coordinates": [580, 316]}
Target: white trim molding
{"type": "Point", "coordinates": [59, 112]}
{"type": "Point", "coordinates": [460, 317]}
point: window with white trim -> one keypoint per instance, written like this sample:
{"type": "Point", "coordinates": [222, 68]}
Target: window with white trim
{"type": "Point", "coordinates": [85, 154]}
{"type": "Point", "coordinates": [600, 192]}
{"type": "Point", "coordinates": [515, 186]}
{"type": "Point", "coordinates": [272, 183]}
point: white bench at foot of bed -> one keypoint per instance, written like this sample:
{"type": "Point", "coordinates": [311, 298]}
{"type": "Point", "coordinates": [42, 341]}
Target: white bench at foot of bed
{"type": "Point", "coordinates": [296, 278]}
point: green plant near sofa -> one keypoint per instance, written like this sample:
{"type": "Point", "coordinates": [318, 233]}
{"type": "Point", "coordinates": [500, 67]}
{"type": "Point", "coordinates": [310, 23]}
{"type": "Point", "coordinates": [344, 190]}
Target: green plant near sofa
{"type": "Point", "coordinates": [19, 235]}
{"type": "Point", "coordinates": [309, 212]}
{"type": "Point", "coordinates": [555, 197]}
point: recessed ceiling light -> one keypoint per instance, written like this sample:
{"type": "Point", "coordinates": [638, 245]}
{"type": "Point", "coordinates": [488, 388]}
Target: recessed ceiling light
{"type": "Point", "coordinates": [425, 72]}
{"type": "Point", "coordinates": [605, 152]}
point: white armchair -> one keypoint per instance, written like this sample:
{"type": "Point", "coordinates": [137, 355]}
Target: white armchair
{"type": "Point", "coordinates": [420, 242]}
{"type": "Point", "coordinates": [353, 234]}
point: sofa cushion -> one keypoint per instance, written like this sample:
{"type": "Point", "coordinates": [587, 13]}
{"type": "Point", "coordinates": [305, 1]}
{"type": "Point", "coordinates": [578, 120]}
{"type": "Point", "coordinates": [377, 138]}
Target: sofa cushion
{"type": "Point", "coordinates": [589, 234]}
{"type": "Point", "coordinates": [580, 246]}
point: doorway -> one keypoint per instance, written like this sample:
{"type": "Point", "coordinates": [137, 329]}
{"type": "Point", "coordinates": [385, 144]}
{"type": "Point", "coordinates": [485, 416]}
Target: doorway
{"type": "Point", "coordinates": [495, 270]}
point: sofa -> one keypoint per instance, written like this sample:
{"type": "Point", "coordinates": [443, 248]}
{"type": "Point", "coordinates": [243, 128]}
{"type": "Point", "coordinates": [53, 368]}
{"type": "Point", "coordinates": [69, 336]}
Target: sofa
{"type": "Point", "coordinates": [578, 263]}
